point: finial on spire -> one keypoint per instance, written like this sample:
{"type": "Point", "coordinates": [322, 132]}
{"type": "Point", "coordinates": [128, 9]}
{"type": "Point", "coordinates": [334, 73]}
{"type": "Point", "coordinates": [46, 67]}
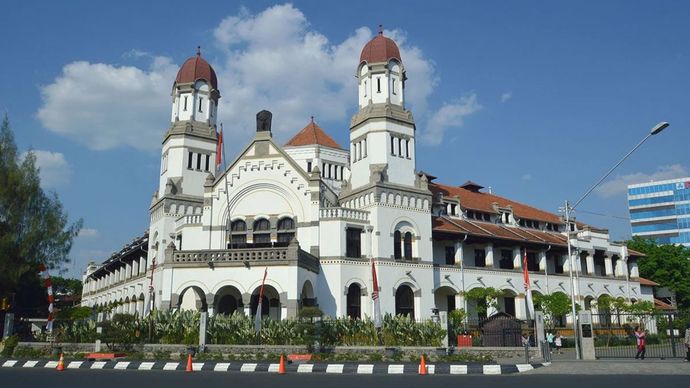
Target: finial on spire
{"type": "Point", "coordinates": [380, 29]}
{"type": "Point", "coordinates": [198, 51]}
{"type": "Point", "coordinates": [312, 119]}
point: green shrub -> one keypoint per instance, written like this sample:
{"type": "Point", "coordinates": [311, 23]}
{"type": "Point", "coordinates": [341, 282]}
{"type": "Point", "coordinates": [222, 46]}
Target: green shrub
{"type": "Point", "coordinates": [28, 352]}
{"type": "Point", "coordinates": [161, 355]}
{"type": "Point", "coordinates": [375, 357]}
{"type": "Point", "coordinates": [9, 344]}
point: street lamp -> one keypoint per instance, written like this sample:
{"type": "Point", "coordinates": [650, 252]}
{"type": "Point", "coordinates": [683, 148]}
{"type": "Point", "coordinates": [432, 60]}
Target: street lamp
{"type": "Point", "coordinates": [568, 209]}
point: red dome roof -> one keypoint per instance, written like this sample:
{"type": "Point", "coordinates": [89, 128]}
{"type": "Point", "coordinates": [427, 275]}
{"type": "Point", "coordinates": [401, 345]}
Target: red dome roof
{"type": "Point", "coordinates": [380, 49]}
{"type": "Point", "coordinates": [196, 68]}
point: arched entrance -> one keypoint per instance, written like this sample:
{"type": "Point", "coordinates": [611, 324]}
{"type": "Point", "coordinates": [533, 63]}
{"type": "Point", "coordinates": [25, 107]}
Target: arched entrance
{"type": "Point", "coordinates": [404, 301]}
{"type": "Point", "coordinates": [506, 303]}
{"type": "Point", "coordinates": [270, 305]}
{"type": "Point", "coordinates": [192, 298]}
{"type": "Point", "coordinates": [307, 298]}
{"type": "Point", "coordinates": [444, 299]}
{"type": "Point", "coordinates": [228, 300]}
{"type": "Point", "coordinates": [354, 301]}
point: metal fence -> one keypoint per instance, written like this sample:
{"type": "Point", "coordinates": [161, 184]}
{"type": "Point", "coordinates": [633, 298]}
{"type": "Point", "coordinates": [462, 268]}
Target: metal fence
{"type": "Point", "coordinates": [501, 330]}
{"type": "Point", "coordinates": [614, 334]}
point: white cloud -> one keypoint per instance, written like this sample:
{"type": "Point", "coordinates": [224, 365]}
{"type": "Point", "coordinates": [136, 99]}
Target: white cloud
{"type": "Point", "coordinates": [269, 60]}
{"type": "Point", "coordinates": [506, 96]}
{"type": "Point", "coordinates": [88, 232]}
{"type": "Point", "coordinates": [450, 115]}
{"type": "Point", "coordinates": [54, 170]}
{"type": "Point", "coordinates": [104, 106]}
{"type": "Point", "coordinates": [619, 185]}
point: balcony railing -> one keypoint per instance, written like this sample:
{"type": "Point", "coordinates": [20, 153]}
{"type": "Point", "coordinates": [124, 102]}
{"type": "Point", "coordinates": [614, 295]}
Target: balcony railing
{"type": "Point", "coordinates": [280, 255]}
{"type": "Point", "coordinates": [340, 213]}
{"type": "Point", "coordinates": [188, 219]}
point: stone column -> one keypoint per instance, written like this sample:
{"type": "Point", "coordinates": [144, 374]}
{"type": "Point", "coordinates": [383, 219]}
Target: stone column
{"type": "Point", "coordinates": [517, 258]}
{"type": "Point", "coordinates": [608, 266]}
{"type": "Point", "coordinates": [247, 301]}
{"type": "Point", "coordinates": [634, 269]}
{"type": "Point", "coordinates": [489, 254]}
{"type": "Point", "coordinates": [368, 241]}
{"type": "Point", "coordinates": [459, 253]}
{"type": "Point", "coordinates": [210, 308]}
{"type": "Point", "coordinates": [590, 262]}
{"type": "Point", "coordinates": [543, 262]}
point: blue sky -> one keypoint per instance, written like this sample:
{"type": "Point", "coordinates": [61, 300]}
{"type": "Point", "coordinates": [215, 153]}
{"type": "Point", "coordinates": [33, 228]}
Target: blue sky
{"type": "Point", "coordinates": [535, 99]}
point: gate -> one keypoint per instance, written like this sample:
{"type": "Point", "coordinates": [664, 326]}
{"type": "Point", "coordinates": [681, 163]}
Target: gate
{"type": "Point", "coordinates": [614, 335]}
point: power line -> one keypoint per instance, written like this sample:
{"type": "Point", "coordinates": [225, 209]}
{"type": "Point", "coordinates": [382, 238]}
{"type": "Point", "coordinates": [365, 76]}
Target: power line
{"type": "Point", "coordinates": [603, 215]}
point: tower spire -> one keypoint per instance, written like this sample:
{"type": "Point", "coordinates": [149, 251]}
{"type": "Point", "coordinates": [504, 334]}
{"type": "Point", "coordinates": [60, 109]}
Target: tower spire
{"type": "Point", "coordinates": [380, 29]}
{"type": "Point", "coordinates": [198, 51]}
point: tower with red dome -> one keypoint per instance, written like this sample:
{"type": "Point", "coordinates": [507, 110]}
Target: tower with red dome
{"type": "Point", "coordinates": [189, 148]}
{"type": "Point", "coordinates": [383, 156]}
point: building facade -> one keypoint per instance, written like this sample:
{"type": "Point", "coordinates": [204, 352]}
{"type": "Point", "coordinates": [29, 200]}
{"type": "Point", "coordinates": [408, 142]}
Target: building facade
{"type": "Point", "coordinates": [661, 210]}
{"type": "Point", "coordinates": [313, 216]}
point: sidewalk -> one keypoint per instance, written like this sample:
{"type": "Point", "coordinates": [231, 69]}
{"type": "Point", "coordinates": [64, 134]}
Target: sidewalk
{"type": "Point", "coordinates": [616, 367]}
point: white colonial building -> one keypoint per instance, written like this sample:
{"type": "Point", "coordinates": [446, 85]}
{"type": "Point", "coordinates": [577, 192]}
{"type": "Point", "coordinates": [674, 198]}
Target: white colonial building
{"type": "Point", "coordinates": [315, 215]}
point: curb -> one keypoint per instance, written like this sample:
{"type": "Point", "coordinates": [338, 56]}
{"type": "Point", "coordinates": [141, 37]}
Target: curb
{"type": "Point", "coordinates": [247, 367]}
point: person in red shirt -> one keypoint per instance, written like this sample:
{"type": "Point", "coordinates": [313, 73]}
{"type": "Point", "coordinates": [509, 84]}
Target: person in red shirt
{"type": "Point", "coordinates": [641, 343]}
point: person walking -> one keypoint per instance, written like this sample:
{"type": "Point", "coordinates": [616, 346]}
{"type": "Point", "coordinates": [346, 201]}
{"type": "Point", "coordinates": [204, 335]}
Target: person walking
{"type": "Point", "coordinates": [687, 342]}
{"type": "Point", "coordinates": [549, 341]}
{"type": "Point", "coordinates": [558, 341]}
{"type": "Point", "coordinates": [641, 343]}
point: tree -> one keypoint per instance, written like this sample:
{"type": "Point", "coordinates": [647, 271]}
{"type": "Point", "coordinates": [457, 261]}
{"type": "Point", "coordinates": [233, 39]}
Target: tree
{"type": "Point", "coordinates": [553, 306]}
{"type": "Point", "coordinates": [34, 227]}
{"type": "Point", "coordinates": [668, 265]}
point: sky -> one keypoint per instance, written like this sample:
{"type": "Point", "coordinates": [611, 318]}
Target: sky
{"type": "Point", "coordinates": [534, 99]}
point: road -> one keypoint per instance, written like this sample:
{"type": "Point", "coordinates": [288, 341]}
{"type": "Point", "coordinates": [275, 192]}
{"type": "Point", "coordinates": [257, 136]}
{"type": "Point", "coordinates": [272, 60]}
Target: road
{"type": "Point", "coordinates": [41, 378]}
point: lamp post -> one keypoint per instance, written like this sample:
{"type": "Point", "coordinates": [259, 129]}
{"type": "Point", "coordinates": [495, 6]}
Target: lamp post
{"type": "Point", "coordinates": [568, 209]}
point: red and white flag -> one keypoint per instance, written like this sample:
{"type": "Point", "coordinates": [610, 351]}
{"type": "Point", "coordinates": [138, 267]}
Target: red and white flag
{"type": "Point", "coordinates": [49, 290]}
{"type": "Point", "coordinates": [257, 318]}
{"type": "Point", "coordinates": [528, 288]}
{"type": "Point", "coordinates": [219, 150]}
{"type": "Point", "coordinates": [375, 297]}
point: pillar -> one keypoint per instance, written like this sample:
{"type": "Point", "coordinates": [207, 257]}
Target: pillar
{"type": "Point", "coordinates": [543, 262]}
{"type": "Point", "coordinates": [590, 262]}
{"type": "Point", "coordinates": [517, 258]}
{"type": "Point", "coordinates": [210, 308]}
{"type": "Point", "coordinates": [459, 254]}
{"type": "Point", "coordinates": [489, 254]}
{"type": "Point", "coordinates": [246, 301]}
{"type": "Point", "coordinates": [608, 266]}
{"type": "Point", "coordinates": [634, 270]}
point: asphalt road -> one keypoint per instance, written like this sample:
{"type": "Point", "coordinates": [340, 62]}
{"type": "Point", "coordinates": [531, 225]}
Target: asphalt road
{"type": "Point", "coordinates": [40, 378]}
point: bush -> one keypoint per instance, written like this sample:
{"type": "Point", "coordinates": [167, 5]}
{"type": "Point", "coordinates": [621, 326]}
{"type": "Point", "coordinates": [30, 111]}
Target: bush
{"type": "Point", "coordinates": [9, 344]}
{"type": "Point", "coordinates": [28, 352]}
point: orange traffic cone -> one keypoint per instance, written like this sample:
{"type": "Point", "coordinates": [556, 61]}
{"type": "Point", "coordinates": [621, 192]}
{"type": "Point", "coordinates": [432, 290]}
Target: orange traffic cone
{"type": "Point", "coordinates": [189, 363]}
{"type": "Point", "coordinates": [281, 367]}
{"type": "Point", "coordinates": [422, 366]}
{"type": "Point", "coordinates": [61, 363]}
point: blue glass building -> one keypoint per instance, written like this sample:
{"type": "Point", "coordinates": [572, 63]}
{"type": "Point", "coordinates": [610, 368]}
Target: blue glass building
{"type": "Point", "coordinates": [661, 210]}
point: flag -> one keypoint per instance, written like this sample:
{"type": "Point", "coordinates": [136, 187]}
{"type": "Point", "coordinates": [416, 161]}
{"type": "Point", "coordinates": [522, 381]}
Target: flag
{"type": "Point", "coordinates": [375, 297]}
{"type": "Point", "coordinates": [257, 318]}
{"type": "Point", "coordinates": [219, 149]}
{"type": "Point", "coordinates": [48, 284]}
{"type": "Point", "coordinates": [528, 289]}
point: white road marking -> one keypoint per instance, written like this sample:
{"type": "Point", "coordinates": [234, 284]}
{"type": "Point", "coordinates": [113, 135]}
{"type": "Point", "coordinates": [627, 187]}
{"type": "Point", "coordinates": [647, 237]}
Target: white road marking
{"type": "Point", "coordinates": [74, 364]}
{"type": "Point", "coordinates": [524, 367]}
{"type": "Point", "coordinates": [365, 369]}
{"type": "Point", "coordinates": [335, 368]}
{"type": "Point", "coordinates": [98, 365]}
{"type": "Point", "coordinates": [171, 365]}
{"type": "Point", "coordinates": [30, 364]}
{"type": "Point", "coordinates": [9, 363]}
{"type": "Point", "coordinates": [396, 369]}
{"type": "Point", "coordinates": [221, 367]}
{"type": "Point", "coordinates": [458, 369]}
{"type": "Point", "coordinates": [146, 365]}
{"type": "Point", "coordinates": [492, 369]}
{"type": "Point", "coordinates": [305, 368]}
{"type": "Point", "coordinates": [248, 368]}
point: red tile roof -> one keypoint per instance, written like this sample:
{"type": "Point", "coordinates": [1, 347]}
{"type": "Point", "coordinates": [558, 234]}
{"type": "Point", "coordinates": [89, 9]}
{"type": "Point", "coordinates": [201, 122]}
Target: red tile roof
{"type": "Point", "coordinates": [501, 232]}
{"type": "Point", "coordinates": [647, 282]}
{"type": "Point", "coordinates": [476, 200]}
{"type": "Point", "coordinates": [312, 134]}
{"type": "Point", "coordinates": [661, 305]}
{"type": "Point", "coordinates": [380, 49]}
{"type": "Point", "coordinates": [196, 68]}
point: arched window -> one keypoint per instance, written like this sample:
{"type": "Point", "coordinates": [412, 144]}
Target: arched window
{"type": "Point", "coordinates": [408, 246]}
{"type": "Point", "coordinates": [262, 231]}
{"type": "Point", "coordinates": [286, 230]}
{"type": "Point", "coordinates": [404, 301]}
{"type": "Point", "coordinates": [354, 301]}
{"type": "Point", "coordinates": [238, 234]}
{"type": "Point", "coordinates": [396, 245]}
